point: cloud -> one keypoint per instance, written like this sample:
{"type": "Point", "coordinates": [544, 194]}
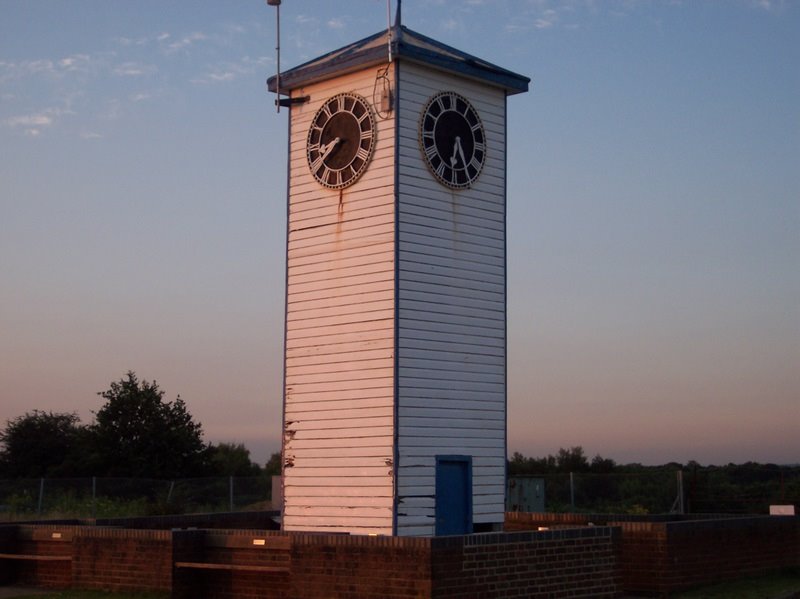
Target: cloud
{"type": "Point", "coordinates": [548, 18]}
{"type": "Point", "coordinates": [90, 135]}
{"type": "Point", "coordinates": [33, 124]}
{"type": "Point", "coordinates": [186, 41]}
{"type": "Point", "coordinates": [133, 69]}
{"type": "Point", "coordinates": [30, 120]}
{"type": "Point", "coordinates": [336, 23]}
{"type": "Point", "coordinates": [768, 5]}
{"type": "Point", "coordinates": [229, 71]}
{"type": "Point", "coordinates": [76, 62]}
{"type": "Point", "coordinates": [127, 41]}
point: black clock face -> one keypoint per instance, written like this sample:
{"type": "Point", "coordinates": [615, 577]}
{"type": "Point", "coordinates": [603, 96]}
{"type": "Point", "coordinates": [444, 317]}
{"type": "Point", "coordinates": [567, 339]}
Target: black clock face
{"type": "Point", "coordinates": [452, 140]}
{"type": "Point", "coordinates": [340, 140]}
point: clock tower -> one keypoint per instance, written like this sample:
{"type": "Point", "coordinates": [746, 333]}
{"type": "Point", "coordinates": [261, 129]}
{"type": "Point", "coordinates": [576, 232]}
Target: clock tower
{"type": "Point", "coordinates": [394, 418]}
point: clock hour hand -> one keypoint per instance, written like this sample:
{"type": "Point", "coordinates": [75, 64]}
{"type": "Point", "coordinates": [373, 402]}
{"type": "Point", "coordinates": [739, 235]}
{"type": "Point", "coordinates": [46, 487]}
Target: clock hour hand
{"type": "Point", "coordinates": [327, 148]}
{"type": "Point", "coordinates": [457, 150]}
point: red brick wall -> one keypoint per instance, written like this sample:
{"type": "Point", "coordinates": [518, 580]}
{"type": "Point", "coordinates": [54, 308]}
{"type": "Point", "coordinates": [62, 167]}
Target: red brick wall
{"type": "Point", "coordinates": [122, 560]}
{"type": "Point", "coordinates": [671, 553]}
{"type": "Point", "coordinates": [705, 552]}
{"type": "Point", "coordinates": [551, 564]}
{"type": "Point", "coordinates": [234, 548]}
{"type": "Point", "coordinates": [330, 566]}
{"type": "Point", "coordinates": [44, 541]}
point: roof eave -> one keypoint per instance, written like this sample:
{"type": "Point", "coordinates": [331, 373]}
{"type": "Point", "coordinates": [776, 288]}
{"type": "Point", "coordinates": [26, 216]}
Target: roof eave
{"type": "Point", "coordinates": [348, 61]}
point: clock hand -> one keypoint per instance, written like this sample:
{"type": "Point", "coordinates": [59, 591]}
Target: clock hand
{"type": "Point", "coordinates": [457, 150]}
{"type": "Point", "coordinates": [461, 153]}
{"type": "Point", "coordinates": [326, 149]}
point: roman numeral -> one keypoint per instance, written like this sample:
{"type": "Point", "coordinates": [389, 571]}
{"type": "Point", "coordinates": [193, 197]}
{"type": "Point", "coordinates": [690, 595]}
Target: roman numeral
{"type": "Point", "coordinates": [430, 151]}
{"type": "Point", "coordinates": [362, 153]}
{"type": "Point", "coordinates": [316, 164]}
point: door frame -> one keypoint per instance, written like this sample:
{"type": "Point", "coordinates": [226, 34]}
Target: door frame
{"type": "Point", "coordinates": [461, 459]}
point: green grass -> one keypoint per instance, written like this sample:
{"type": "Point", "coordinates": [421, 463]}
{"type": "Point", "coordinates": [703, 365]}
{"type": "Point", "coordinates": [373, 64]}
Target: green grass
{"type": "Point", "coordinates": [762, 587]}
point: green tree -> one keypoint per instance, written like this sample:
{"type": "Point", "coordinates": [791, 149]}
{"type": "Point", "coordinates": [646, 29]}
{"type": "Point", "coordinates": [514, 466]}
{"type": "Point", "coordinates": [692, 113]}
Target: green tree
{"type": "Point", "coordinates": [572, 460]}
{"type": "Point", "coordinates": [273, 466]}
{"type": "Point", "coordinates": [138, 434]}
{"type": "Point", "coordinates": [228, 459]}
{"type": "Point", "coordinates": [42, 444]}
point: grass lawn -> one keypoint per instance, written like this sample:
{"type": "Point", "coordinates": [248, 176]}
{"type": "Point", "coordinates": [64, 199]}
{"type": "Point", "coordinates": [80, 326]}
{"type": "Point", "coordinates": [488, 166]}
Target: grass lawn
{"type": "Point", "coordinates": [773, 586]}
{"type": "Point", "coordinates": [763, 587]}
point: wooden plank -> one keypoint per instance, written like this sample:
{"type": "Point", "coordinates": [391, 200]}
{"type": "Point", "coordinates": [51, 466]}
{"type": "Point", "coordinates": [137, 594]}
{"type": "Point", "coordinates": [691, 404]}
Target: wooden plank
{"type": "Point", "coordinates": [36, 557]}
{"type": "Point", "coordinates": [382, 492]}
{"type": "Point", "coordinates": [341, 423]}
{"type": "Point", "coordinates": [231, 567]}
{"type": "Point", "coordinates": [347, 434]}
{"type": "Point", "coordinates": [297, 336]}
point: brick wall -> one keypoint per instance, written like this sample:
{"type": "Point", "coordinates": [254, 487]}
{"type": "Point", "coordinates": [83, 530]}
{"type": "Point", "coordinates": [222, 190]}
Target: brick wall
{"type": "Point", "coordinates": [122, 560]}
{"type": "Point", "coordinates": [666, 553]}
{"type": "Point", "coordinates": [571, 559]}
{"type": "Point", "coordinates": [578, 562]}
{"type": "Point", "coordinates": [254, 554]}
{"type": "Point", "coordinates": [328, 566]}
{"type": "Point", "coordinates": [47, 542]}
{"type": "Point", "coordinates": [705, 552]}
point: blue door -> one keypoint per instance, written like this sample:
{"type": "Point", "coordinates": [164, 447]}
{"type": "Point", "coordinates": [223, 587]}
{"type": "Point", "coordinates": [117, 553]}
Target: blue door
{"type": "Point", "coordinates": [453, 495]}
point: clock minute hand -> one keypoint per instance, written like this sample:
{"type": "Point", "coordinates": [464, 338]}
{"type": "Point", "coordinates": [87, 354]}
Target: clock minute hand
{"type": "Point", "coordinates": [457, 151]}
{"type": "Point", "coordinates": [328, 148]}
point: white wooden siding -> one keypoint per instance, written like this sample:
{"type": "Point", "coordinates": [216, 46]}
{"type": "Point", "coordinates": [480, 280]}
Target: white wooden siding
{"type": "Point", "coordinates": [451, 311]}
{"type": "Point", "coordinates": [339, 410]}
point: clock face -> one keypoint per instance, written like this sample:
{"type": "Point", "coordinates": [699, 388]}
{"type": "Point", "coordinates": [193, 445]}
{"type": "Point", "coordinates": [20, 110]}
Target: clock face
{"type": "Point", "coordinates": [452, 140]}
{"type": "Point", "coordinates": [340, 140]}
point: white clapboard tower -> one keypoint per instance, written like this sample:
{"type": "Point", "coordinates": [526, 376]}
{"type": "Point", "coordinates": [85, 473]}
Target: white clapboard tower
{"type": "Point", "coordinates": [395, 353]}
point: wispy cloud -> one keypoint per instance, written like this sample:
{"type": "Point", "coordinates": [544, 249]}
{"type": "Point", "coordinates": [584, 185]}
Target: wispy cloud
{"type": "Point", "coordinates": [133, 69]}
{"type": "Point", "coordinates": [336, 23]}
{"type": "Point", "coordinates": [548, 18]}
{"type": "Point", "coordinates": [186, 41]}
{"type": "Point", "coordinates": [33, 124]}
{"type": "Point", "coordinates": [229, 71]}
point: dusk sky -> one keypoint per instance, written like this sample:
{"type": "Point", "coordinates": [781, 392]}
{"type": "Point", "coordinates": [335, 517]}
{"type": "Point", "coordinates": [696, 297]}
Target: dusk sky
{"type": "Point", "coordinates": [653, 212]}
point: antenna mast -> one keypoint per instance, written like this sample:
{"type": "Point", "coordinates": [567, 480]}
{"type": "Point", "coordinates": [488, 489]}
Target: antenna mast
{"type": "Point", "coordinates": [277, 5]}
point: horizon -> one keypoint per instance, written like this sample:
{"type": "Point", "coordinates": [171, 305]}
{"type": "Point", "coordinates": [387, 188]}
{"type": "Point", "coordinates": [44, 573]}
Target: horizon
{"type": "Point", "coordinates": [653, 214]}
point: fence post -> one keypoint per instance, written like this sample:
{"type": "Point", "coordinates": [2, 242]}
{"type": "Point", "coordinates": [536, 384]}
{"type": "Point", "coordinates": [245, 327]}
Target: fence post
{"type": "Point", "coordinates": [94, 497]}
{"type": "Point", "coordinates": [572, 490]}
{"type": "Point", "coordinates": [230, 487]}
{"type": "Point", "coordinates": [41, 496]}
{"type": "Point", "coordinates": [680, 491]}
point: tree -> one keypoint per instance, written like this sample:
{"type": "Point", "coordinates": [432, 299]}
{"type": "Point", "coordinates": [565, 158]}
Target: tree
{"type": "Point", "coordinates": [227, 459]}
{"type": "Point", "coordinates": [273, 466]}
{"type": "Point", "coordinates": [139, 434]}
{"type": "Point", "coordinates": [41, 444]}
{"type": "Point", "coordinates": [572, 460]}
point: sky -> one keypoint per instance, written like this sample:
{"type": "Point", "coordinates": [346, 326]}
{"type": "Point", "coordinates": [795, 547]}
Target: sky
{"type": "Point", "coordinates": [653, 213]}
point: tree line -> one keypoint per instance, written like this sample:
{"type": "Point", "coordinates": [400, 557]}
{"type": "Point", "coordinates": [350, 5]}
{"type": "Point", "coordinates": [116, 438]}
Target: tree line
{"type": "Point", "coordinates": [574, 481]}
{"type": "Point", "coordinates": [136, 433]}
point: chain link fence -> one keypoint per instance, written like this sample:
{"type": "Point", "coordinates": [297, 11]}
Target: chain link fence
{"type": "Point", "coordinates": [22, 499]}
{"type": "Point", "coordinates": [729, 490]}
{"type": "Point", "coordinates": [707, 490]}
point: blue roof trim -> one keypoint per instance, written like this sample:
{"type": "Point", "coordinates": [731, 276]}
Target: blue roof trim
{"type": "Point", "coordinates": [406, 44]}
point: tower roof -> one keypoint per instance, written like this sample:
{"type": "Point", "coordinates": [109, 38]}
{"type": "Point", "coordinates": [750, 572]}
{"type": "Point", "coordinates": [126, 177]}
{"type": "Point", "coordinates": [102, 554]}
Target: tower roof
{"type": "Point", "coordinates": [405, 45]}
